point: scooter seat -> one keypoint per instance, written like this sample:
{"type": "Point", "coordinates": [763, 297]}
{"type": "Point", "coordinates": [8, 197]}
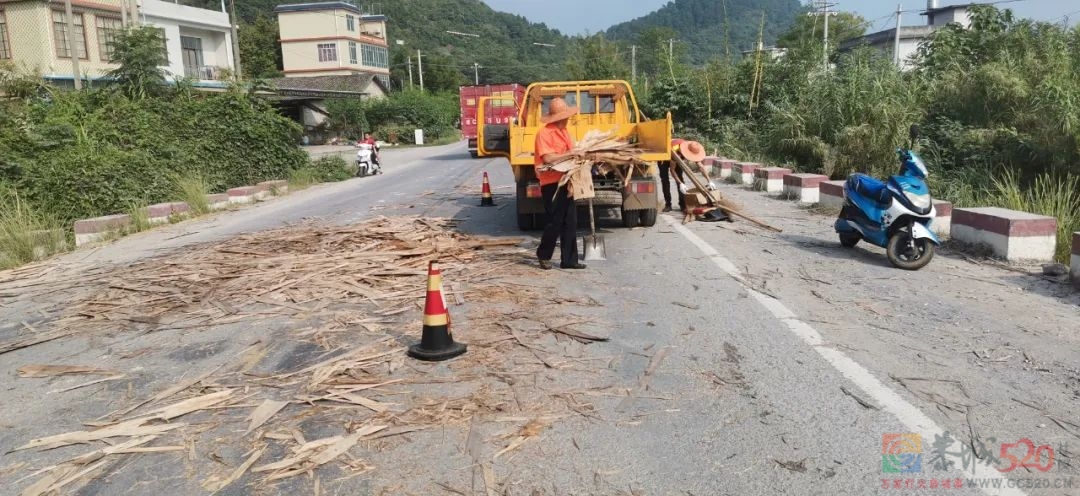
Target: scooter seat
{"type": "Point", "coordinates": [869, 188]}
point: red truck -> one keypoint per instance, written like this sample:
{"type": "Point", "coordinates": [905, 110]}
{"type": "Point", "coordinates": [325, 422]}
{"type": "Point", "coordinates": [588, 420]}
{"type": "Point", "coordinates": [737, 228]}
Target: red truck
{"type": "Point", "coordinates": [502, 107]}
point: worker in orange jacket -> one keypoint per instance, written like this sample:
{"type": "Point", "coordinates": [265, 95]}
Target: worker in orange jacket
{"type": "Point", "coordinates": [553, 145]}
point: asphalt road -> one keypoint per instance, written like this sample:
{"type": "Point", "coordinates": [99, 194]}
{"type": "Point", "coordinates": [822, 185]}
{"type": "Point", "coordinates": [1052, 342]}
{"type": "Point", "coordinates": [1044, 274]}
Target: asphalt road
{"type": "Point", "coordinates": [747, 362]}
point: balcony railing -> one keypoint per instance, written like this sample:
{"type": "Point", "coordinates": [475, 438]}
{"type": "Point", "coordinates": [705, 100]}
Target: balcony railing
{"type": "Point", "coordinates": [202, 72]}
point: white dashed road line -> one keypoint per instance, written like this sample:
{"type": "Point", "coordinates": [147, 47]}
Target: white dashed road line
{"type": "Point", "coordinates": [908, 415]}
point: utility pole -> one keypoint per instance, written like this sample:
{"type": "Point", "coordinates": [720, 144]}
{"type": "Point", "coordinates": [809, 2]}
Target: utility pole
{"type": "Point", "coordinates": [69, 27]}
{"type": "Point", "coordinates": [825, 9]}
{"type": "Point", "coordinates": [235, 39]}
{"type": "Point", "coordinates": [410, 73]}
{"type": "Point", "coordinates": [633, 63]}
{"type": "Point", "coordinates": [476, 72]}
{"type": "Point", "coordinates": [123, 16]}
{"type": "Point", "coordinates": [896, 44]}
{"type": "Point", "coordinates": [420, 66]}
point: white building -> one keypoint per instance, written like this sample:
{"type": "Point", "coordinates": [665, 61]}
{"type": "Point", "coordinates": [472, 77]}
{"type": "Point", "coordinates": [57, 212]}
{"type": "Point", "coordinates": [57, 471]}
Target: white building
{"type": "Point", "coordinates": [911, 36]}
{"type": "Point", "coordinates": [198, 41]}
{"type": "Point", "coordinates": [35, 35]}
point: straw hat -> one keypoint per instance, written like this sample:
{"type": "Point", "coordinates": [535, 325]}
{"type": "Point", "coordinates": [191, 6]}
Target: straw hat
{"type": "Point", "coordinates": [692, 151]}
{"type": "Point", "coordinates": [558, 110]}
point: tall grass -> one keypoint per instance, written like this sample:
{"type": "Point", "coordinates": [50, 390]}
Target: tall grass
{"type": "Point", "coordinates": [1048, 194]}
{"type": "Point", "coordinates": [193, 188]}
{"type": "Point", "coordinates": [27, 234]}
{"type": "Point", "coordinates": [140, 218]}
{"type": "Point", "coordinates": [302, 177]}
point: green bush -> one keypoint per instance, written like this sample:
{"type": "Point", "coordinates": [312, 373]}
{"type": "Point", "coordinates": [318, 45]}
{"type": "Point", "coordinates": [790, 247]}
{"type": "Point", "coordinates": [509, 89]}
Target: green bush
{"type": "Point", "coordinates": [90, 153]}
{"type": "Point", "coordinates": [331, 168]}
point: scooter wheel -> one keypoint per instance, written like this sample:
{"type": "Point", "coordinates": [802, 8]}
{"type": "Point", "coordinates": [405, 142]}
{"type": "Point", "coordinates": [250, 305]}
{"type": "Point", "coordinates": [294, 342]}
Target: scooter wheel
{"type": "Point", "coordinates": [849, 240]}
{"type": "Point", "coordinates": [907, 253]}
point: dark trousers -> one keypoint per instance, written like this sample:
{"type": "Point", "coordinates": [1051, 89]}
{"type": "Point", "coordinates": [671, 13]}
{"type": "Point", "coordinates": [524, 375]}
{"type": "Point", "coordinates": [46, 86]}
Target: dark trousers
{"type": "Point", "coordinates": [561, 226]}
{"type": "Point", "coordinates": [665, 183]}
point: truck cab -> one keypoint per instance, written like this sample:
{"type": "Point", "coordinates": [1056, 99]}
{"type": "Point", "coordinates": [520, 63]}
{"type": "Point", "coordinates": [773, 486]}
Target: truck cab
{"type": "Point", "coordinates": [607, 106]}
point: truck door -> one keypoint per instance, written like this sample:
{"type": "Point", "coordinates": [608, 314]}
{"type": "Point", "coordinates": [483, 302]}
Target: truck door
{"type": "Point", "coordinates": [493, 139]}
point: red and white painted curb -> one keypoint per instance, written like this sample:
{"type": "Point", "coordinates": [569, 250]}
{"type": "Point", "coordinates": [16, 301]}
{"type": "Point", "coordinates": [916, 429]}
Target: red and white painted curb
{"type": "Point", "coordinates": [942, 224]}
{"type": "Point", "coordinates": [804, 188]}
{"type": "Point", "coordinates": [97, 228]}
{"type": "Point", "coordinates": [743, 172]}
{"type": "Point", "coordinates": [832, 194]}
{"type": "Point", "coordinates": [770, 179]}
{"type": "Point", "coordinates": [1010, 234]}
{"type": "Point", "coordinates": [159, 213]}
{"type": "Point", "coordinates": [723, 168]}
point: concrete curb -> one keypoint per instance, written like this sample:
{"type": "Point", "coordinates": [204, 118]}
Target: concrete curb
{"type": "Point", "coordinates": [1074, 273]}
{"type": "Point", "coordinates": [159, 213]}
{"type": "Point", "coordinates": [242, 194]}
{"type": "Point", "coordinates": [743, 172]}
{"type": "Point", "coordinates": [97, 228]}
{"type": "Point", "coordinates": [832, 194]}
{"type": "Point", "coordinates": [722, 168]}
{"type": "Point", "coordinates": [1010, 234]}
{"type": "Point", "coordinates": [218, 201]}
{"type": "Point", "coordinates": [770, 179]}
{"type": "Point", "coordinates": [804, 188]}
{"type": "Point", "coordinates": [942, 224]}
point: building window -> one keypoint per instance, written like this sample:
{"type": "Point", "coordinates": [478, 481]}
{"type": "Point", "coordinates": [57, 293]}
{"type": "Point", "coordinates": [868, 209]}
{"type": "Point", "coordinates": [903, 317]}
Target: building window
{"type": "Point", "coordinates": [5, 44]}
{"type": "Point", "coordinates": [61, 38]}
{"type": "Point", "coordinates": [107, 29]}
{"type": "Point", "coordinates": [350, 22]}
{"type": "Point", "coordinates": [375, 56]}
{"type": "Point", "coordinates": [327, 52]}
{"type": "Point", "coordinates": [191, 54]}
{"type": "Point", "coordinates": [352, 52]}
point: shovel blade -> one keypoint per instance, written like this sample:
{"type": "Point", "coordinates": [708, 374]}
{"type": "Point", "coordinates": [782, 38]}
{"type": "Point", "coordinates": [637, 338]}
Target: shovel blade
{"type": "Point", "coordinates": [594, 248]}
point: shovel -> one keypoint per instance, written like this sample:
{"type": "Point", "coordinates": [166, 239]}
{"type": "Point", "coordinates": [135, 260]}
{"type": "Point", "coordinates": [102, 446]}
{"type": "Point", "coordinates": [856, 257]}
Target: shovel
{"type": "Point", "coordinates": [594, 245]}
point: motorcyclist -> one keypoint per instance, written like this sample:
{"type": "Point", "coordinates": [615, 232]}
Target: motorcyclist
{"type": "Point", "coordinates": [369, 139]}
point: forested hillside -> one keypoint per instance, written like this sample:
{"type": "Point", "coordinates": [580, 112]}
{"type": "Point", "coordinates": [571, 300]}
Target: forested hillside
{"type": "Point", "coordinates": [712, 28]}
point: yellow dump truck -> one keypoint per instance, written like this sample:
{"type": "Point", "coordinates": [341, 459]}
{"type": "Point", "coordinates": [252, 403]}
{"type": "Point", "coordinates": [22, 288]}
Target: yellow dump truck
{"type": "Point", "coordinates": [605, 106]}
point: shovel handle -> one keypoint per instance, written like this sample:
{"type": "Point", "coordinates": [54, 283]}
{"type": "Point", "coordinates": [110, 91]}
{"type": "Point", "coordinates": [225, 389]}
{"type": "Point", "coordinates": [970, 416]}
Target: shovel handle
{"type": "Point", "coordinates": [592, 219]}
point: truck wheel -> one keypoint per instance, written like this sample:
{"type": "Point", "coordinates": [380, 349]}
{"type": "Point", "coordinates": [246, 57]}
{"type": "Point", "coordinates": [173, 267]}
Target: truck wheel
{"type": "Point", "coordinates": [632, 218]}
{"type": "Point", "coordinates": [648, 217]}
{"type": "Point", "coordinates": [526, 222]}
{"type": "Point", "coordinates": [474, 154]}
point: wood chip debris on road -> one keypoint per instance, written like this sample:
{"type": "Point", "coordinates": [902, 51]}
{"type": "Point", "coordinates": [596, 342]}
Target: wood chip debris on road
{"type": "Point", "coordinates": [356, 287]}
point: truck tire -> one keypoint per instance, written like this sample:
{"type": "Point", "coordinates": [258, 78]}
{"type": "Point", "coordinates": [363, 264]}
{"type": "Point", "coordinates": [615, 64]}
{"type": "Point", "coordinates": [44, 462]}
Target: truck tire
{"type": "Point", "coordinates": [632, 218]}
{"type": "Point", "coordinates": [474, 154]}
{"type": "Point", "coordinates": [648, 217]}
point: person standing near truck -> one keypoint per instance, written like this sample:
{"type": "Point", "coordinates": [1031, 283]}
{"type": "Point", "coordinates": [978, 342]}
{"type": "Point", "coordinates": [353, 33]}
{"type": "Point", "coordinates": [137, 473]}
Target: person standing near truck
{"type": "Point", "coordinates": [553, 144]}
{"type": "Point", "coordinates": [691, 152]}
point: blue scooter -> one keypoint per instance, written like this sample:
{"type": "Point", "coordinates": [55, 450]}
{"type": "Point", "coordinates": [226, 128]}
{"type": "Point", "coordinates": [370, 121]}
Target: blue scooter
{"type": "Point", "coordinates": [894, 215]}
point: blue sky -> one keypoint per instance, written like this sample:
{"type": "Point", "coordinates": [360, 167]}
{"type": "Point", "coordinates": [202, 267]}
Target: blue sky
{"type": "Point", "coordinates": [580, 16]}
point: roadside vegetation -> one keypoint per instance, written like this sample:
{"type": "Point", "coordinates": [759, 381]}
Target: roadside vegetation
{"type": "Point", "coordinates": [395, 118]}
{"type": "Point", "coordinates": [998, 106]}
{"type": "Point", "coordinates": [136, 140]}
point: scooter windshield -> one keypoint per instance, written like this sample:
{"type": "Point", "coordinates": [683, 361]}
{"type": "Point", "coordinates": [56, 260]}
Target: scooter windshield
{"type": "Point", "coordinates": [916, 165]}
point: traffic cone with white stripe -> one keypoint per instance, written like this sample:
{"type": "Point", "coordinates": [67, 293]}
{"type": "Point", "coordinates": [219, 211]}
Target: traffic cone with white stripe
{"type": "Point", "coordinates": [437, 342]}
{"type": "Point", "coordinates": [486, 199]}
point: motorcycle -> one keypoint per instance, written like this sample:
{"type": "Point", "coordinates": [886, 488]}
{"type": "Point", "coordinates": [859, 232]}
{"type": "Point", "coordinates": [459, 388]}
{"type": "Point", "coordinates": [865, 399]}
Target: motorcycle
{"type": "Point", "coordinates": [895, 214]}
{"type": "Point", "coordinates": [367, 161]}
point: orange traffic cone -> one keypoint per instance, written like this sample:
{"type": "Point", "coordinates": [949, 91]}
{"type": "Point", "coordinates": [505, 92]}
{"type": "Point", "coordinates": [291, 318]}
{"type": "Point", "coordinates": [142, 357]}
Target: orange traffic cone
{"type": "Point", "coordinates": [437, 343]}
{"type": "Point", "coordinates": [485, 196]}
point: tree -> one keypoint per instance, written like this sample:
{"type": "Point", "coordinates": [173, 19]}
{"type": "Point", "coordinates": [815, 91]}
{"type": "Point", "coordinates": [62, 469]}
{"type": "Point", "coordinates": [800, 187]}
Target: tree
{"type": "Point", "coordinates": [652, 50]}
{"type": "Point", "coordinates": [440, 73]}
{"type": "Point", "coordinates": [807, 31]}
{"type": "Point", "coordinates": [260, 49]}
{"type": "Point", "coordinates": [594, 57]}
{"type": "Point", "coordinates": [141, 53]}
